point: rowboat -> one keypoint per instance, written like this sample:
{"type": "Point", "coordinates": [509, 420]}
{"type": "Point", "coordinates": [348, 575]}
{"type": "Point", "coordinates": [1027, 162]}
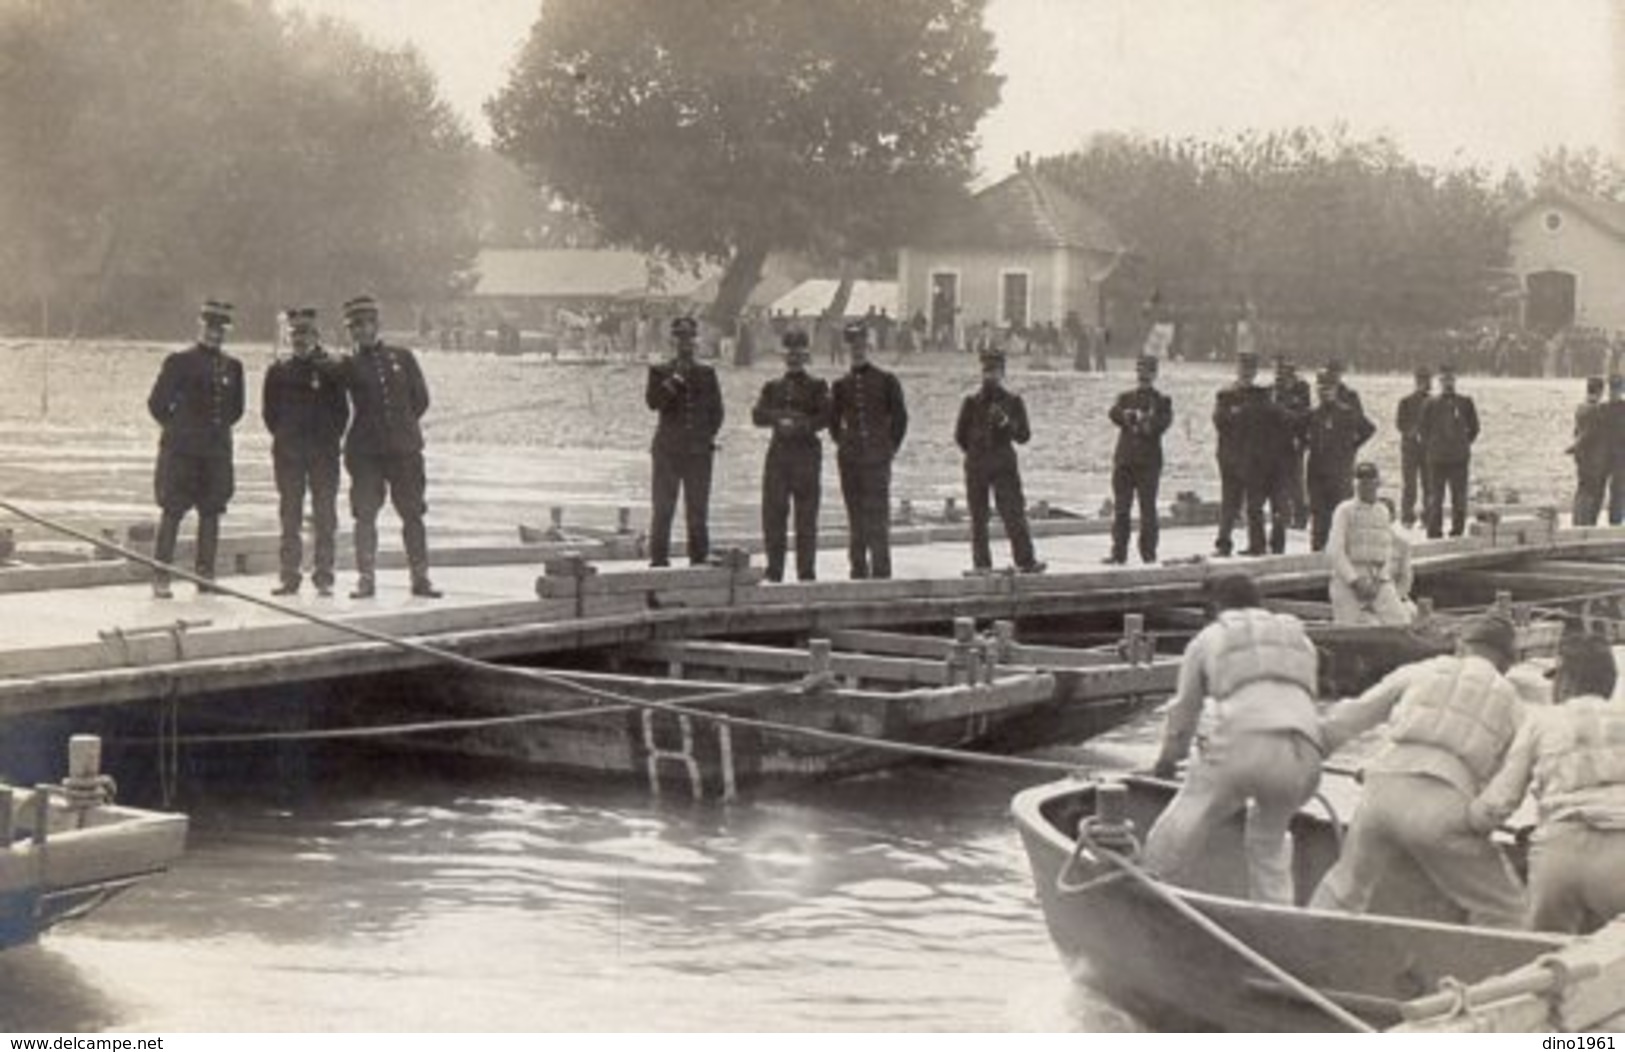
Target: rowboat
{"type": "Point", "coordinates": [1204, 957]}
{"type": "Point", "coordinates": [705, 720]}
{"type": "Point", "coordinates": [67, 849]}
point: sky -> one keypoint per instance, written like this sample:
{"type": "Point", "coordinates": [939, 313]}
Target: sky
{"type": "Point", "coordinates": [1489, 82]}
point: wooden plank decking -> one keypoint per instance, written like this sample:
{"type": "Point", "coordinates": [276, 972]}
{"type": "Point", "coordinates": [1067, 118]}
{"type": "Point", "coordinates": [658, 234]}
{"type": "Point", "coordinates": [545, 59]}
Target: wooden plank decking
{"type": "Point", "coordinates": [99, 643]}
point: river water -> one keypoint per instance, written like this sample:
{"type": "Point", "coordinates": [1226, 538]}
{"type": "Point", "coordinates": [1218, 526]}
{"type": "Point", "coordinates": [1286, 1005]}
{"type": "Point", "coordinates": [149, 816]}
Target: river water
{"type": "Point", "coordinates": [396, 898]}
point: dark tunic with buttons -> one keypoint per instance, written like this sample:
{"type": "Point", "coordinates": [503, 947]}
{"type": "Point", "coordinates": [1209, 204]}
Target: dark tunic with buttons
{"type": "Point", "coordinates": [689, 401]}
{"type": "Point", "coordinates": [868, 420]}
{"type": "Point", "coordinates": [991, 423]}
{"type": "Point", "coordinates": [305, 408]}
{"type": "Point", "coordinates": [384, 449]}
{"type": "Point", "coordinates": [796, 407]}
{"type": "Point", "coordinates": [197, 399]}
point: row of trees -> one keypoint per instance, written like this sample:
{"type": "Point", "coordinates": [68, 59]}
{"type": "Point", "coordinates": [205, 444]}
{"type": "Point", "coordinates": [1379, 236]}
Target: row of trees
{"type": "Point", "coordinates": [155, 151]}
{"type": "Point", "coordinates": [152, 151]}
{"type": "Point", "coordinates": [1301, 223]}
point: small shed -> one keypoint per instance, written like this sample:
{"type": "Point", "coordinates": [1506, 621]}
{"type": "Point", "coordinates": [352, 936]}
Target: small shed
{"type": "Point", "coordinates": [1568, 253]}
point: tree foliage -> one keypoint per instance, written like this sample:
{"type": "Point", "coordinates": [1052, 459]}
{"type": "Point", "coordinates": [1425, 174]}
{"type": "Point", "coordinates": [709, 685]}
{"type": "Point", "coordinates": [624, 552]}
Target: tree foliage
{"type": "Point", "coordinates": [727, 129]}
{"type": "Point", "coordinates": [1302, 224]}
{"type": "Point", "coordinates": [158, 150]}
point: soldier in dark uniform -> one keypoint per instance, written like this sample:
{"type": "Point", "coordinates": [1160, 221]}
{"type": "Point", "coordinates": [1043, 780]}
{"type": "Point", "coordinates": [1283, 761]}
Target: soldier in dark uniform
{"type": "Point", "coordinates": [1336, 431]}
{"type": "Point", "coordinates": [686, 395]}
{"type": "Point", "coordinates": [868, 420]}
{"type": "Point", "coordinates": [197, 399]}
{"type": "Point", "coordinates": [1593, 455]}
{"type": "Point", "coordinates": [1289, 502]}
{"type": "Point", "coordinates": [1142, 416]}
{"type": "Point", "coordinates": [992, 422]}
{"type": "Point", "coordinates": [795, 407]}
{"type": "Point", "coordinates": [1345, 394]}
{"type": "Point", "coordinates": [1246, 420]}
{"type": "Point", "coordinates": [1412, 465]}
{"type": "Point", "coordinates": [1611, 419]}
{"type": "Point", "coordinates": [1449, 428]}
{"type": "Point", "coordinates": [384, 449]}
{"type": "Point", "coordinates": [306, 409]}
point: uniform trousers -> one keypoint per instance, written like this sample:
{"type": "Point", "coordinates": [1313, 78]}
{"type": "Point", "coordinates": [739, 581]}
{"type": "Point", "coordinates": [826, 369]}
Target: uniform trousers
{"type": "Point", "coordinates": [1441, 476]}
{"type": "Point", "coordinates": [1413, 482]}
{"type": "Point", "coordinates": [998, 473]}
{"type": "Point", "coordinates": [1327, 489]}
{"type": "Point", "coordinates": [1241, 488]}
{"type": "Point", "coordinates": [1589, 491]}
{"type": "Point", "coordinates": [690, 472]}
{"type": "Point", "coordinates": [184, 481]}
{"type": "Point", "coordinates": [1134, 486]}
{"type": "Point", "coordinates": [1575, 877]}
{"type": "Point", "coordinates": [1616, 494]}
{"type": "Point", "coordinates": [1422, 820]}
{"type": "Point", "coordinates": [299, 470]}
{"type": "Point", "coordinates": [1269, 775]}
{"type": "Point", "coordinates": [791, 477]}
{"type": "Point", "coordinates": [402, 477]}
{"type": "Point", "coordinates": [866, 489]}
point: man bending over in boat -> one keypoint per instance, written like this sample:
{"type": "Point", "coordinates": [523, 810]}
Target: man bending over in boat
{"type": "Point", "coordinates": [1263, 751]}
{"type": "Point", "coordinates": [1450, 720]}
{"type": "Point", "coordinates": [1573, 758]}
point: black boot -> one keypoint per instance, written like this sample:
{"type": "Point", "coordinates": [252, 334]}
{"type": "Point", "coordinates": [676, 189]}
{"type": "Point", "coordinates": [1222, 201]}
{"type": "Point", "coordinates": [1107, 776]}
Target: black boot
{"type": "Point", "coordinates": [169, 528]}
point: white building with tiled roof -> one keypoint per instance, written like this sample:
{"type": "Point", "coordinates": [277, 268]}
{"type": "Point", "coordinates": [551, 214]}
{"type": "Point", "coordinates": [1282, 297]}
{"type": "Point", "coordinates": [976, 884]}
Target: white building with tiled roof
{"type": "Point", "coordinates": [1568, 252]}
{"type": "Point", "coordinates": [1024, 252]}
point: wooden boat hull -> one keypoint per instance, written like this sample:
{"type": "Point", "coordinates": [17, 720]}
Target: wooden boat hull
{"type": "Point", "coordinates": [80, 865]}
{"type": "Point", "coordinates": [687, 754]}
{"type": "Point", "coordinates": [1120, 940]}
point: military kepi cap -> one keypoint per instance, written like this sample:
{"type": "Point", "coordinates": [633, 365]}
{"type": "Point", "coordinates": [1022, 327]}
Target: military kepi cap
{"type": "Point", "coordinates": [360, 306]}
{"type": "Point", "coordinates": [1146, 365]}
{"type": "Point", "coordinates": [991, 355]}
{"type": "Point", "coordinates": [1423, 373]}
{"type": "Point", "coordinates": [684, 327]}
{"type": "Point", "coordinates": [217, 311]}
{"type": "Point", "coordinates": [1366, 470]}
{"type": "Point", "coordinates": [794, 340]}
{"type": "Point", "coordinates": [855, 332]}
{"type": "Point", "coordinates": [300, 319]}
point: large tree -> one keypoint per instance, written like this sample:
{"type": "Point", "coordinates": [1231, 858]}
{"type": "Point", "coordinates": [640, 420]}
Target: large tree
{"type": "Point", "coordinates": [158, 150]}
{"type": "Point", "coordinates": [727, 129]}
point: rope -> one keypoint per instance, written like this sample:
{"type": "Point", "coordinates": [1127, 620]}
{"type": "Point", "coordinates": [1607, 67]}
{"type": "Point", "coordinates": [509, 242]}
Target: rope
{"type": "Point", "coordinates": [1304, 990]}
{"type": "Point", "coordinates": [621, 702]}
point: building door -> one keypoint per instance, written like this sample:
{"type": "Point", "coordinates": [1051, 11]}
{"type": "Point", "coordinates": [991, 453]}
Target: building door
{"type": "Point", "coordinates": [944, 307]}
{"type": "Point", "coordinates": [1551, 303]}
{"type": "Point", "coordinates": [1014, 299]}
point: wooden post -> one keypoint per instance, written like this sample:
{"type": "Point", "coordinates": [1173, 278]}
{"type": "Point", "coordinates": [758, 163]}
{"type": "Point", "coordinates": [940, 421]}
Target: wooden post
{"type": "Point", "coordinates": [964, 663]}
{"type": "Point", "coordinates": [1503, 603]}
{"type": "Point", "coordinates": [1004, 640]}
{"type": "Point", "coordinates": [820, 663]}
{"type": "Point", "coordinates": [1136, 648]}
{"type": "Point", "coordinates": [42, 813]}
{"type": "Point", "coordinates": [950, 513]}
{"type": "Point", "coordinates": [6, 819]}
{"type": "Point", "coordinates": [623, 519]}
{"type": "Point", "coordinates": [1424, 609]}
{"type": "Point", "coordinates": [84, 758]}
{"type": "Point", "coordinates": [905, 512]}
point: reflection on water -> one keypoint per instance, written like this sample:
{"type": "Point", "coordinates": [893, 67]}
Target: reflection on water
{"type": "Point", "coordinates": [509, 904]}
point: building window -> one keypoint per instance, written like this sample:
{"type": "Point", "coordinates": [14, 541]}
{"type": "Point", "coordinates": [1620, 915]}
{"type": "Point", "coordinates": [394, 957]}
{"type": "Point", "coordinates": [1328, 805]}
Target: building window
{"type": "Point", "coordinates": [1554, 221]}
{"type": "Point", "coordinates": [1015, 288]}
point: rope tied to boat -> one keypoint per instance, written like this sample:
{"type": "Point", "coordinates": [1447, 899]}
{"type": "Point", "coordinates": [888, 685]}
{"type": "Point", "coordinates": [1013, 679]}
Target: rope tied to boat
{"type": "Point", "coordinates": [1125, 865]}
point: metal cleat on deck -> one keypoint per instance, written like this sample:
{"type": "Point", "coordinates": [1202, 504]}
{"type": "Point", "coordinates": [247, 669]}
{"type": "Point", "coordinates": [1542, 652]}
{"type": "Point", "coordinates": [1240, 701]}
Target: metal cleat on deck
{"type": "Point", "coordinates": [121, 640]}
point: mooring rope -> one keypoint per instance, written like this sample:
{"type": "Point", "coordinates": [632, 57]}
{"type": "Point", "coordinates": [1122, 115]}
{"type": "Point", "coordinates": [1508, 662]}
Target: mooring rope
{"type": "Point", "coordinates": [616, 702]}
